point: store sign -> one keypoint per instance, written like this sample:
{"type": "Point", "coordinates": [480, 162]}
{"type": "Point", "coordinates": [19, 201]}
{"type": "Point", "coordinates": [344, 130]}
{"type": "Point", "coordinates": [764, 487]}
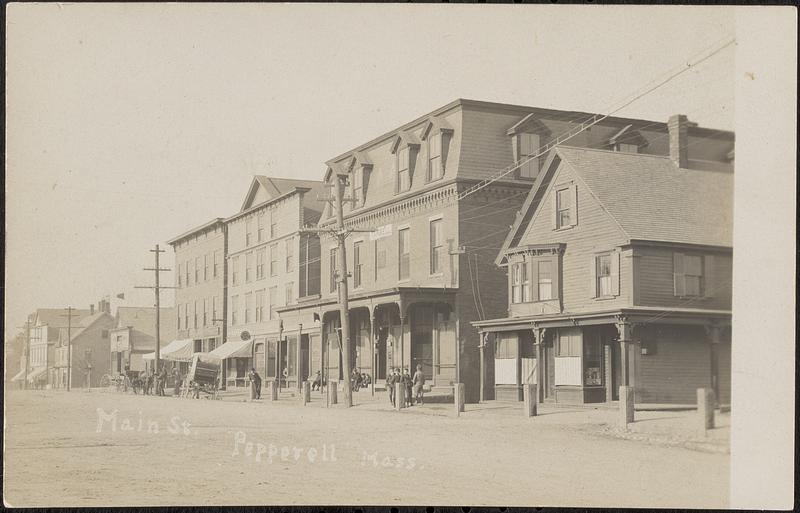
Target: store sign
{"type": "Point", "coordinates": [381, 232]}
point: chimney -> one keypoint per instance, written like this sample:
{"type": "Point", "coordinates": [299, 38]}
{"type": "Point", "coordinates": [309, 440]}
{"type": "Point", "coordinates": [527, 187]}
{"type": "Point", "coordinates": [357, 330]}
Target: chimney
{"type": "Point", "coordinates": [678, 126]}
{"type": "Point", "coordinates": [91, 308]}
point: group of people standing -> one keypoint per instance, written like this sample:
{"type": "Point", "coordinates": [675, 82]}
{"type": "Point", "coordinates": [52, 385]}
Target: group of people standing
{"type": "Point", "coordinates": [152, 383]}
{"type": "Point", "coordinates": [412, 386]}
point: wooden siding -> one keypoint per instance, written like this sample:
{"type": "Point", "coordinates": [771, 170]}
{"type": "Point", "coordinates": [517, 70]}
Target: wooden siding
{"type": "Point", "coordinates": [681, 365]}
{"type": "Point", "coordinates": [595, 232]}
{"type": "Point", "coordinates": [655, 287]}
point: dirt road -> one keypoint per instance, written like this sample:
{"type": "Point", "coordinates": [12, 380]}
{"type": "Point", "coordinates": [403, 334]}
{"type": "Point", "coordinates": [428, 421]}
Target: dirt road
{"type": "Point", "coordinates": [61, 449]}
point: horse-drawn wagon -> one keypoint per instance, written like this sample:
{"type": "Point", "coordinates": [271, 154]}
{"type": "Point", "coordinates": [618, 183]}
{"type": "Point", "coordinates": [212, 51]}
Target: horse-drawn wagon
{"type": "Point", "coordinates": [203, 377]}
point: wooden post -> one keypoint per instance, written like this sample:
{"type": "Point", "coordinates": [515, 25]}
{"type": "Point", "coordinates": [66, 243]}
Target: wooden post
{"type": "Point", "coordinates": [529, 399]}
{"type": "Point", "coordinates": [306, 392]}
{"type": "Point", "coordinates": [333, 390]}
{"type": "Point", "coordinates": [541, 379]}
{"type": "Point", "coordinates": [625, 406]}
{"type": "Point", "coordinates": [273, 390]}
{"type": "Point", "coordinates": [458, 397]}
{"type": "Point", "coordinates": [482, 366]}
{"type": "Point", "coordinates": [624, 330]}
{"type": "Point", "coordinates": [399, 396]}
{"type": "Point", "coordinates": [705, 409]}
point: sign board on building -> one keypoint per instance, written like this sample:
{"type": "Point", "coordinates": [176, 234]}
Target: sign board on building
{"type": "Point", "coordinates": [381, 232]}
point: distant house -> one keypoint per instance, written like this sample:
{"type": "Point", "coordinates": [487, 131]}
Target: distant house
{"type": "Point", "coordinates": [619, 273]}
{"type": "Point", "coordinates": [87, 350]}
{"type": "Point", "coordinates": [46, 324]}
{"type": "Point", "coordinates": [134, 335]}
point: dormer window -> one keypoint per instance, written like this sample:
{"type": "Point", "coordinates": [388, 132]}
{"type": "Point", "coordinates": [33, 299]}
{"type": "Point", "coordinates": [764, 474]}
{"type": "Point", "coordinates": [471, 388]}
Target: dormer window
{"type": "Point", "coordinates": [359, 167]}
{"type": "Point", "coordinates": [405, 148]}
{"type": "Point", "coordinates": [528, 136]}
{"type": "Point", "coordinates": [437, 133]}
{"type": "Point", "coordinates": [528, 146]}
{"type": "Point", "coordinates": [436, 170]}
{"type": "Point", "coordinates": [358, 187]}
{"type": "Point", "coordinates": [403, 172]}
{"type": "Point", "coordinates": [627, 140]}
{"type": "Point", "coordinates": [626, 148]}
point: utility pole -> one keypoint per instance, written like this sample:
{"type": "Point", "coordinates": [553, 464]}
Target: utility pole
{"type": "Point", "coordinates": [69, 315]}
{"type": "Point", "coordinates": [341, 233]}
{"type": "Point", "coordinates": [157, 289]}
{"type": "Point", "coordinates": [27, 347]}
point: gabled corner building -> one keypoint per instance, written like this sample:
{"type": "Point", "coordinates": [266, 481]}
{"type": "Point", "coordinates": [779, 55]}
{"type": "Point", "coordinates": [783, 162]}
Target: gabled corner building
{"type": "Point", "coordinates": [424, 283]}
{"type": "Point", "coordinates": [619, 273]}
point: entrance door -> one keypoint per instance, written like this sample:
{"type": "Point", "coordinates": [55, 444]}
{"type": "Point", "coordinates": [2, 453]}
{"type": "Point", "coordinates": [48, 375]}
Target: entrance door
{"type": "Point", "coordinates": [422, 340]}
{"type": "Point", "coordinates": [303, 364]}
{"type": "Point", "coordinates": [549, 371]}
{"type": "Point", "coordinates": [381, 353]}
{"type": "Point", "coordinates": [260, 363]}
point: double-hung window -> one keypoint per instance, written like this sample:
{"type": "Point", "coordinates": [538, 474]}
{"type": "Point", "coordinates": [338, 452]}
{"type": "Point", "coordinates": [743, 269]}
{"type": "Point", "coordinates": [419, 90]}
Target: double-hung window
{"type": "Point", "coordinates": [436, 247]}
{"type": "Point", "coordinates": [261, 256]}
{"type": "Point", "coordinates": [563, 207]}
{"type": "Point", "coordinates": [604, 280]}
{"type": "Point", "coordinates": [235, 270]}
{"type": "Point", "coordinates": [688, 275]}
{"type": "Point", "coordinates": [289, 255]}
{"type": "Point", "coordinates": [248, 267]}
{"type": "Point", "coordinates": [404, 253]}
{"type": "Point", "coordinates": [259, 305]}
{"type": "Point", "coordinates": [545, 277]}
{"type": "Point", "coordinates": [528, 146]}
{"type": "Point", "coordinates": [333, 269]}
{"type": "Point", "coordinates": [520, 283]}
{"type": "Point", "coordinates": [248, 227]}
{"type": "Point", "coordinates": [403, 171]}
{"type": "Point", "coordinates": [435, 167]}
{"type": "Point", "coordinates": [358, 187]}
{"type": "Point", "coordinates": [273, 260]}
{"type": "Point", "coordinates": [260, 227]}
{"type": "Point", "coordinates": [357, 264]}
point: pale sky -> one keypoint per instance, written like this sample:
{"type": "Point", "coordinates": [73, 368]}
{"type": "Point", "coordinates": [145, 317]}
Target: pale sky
{"type": "Point", "coordinates": [128, 124]}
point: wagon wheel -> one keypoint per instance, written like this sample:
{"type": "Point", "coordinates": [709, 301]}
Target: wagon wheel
{"type": "Point", "coordinates": [105, 381]}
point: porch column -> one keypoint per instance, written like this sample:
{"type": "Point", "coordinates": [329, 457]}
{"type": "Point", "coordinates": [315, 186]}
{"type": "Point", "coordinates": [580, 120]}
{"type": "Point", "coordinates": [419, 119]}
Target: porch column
{"type": "Point", "coordinates": [714, 336]}
{"type": "Point", "coordinates": [298, 361]}
{"type": "Point", "coordinates": [624, 330]}
{"type": "Point", "coordinates": [402, 340]}
{"type": "Point", "coordinates": [481, 346]}
{"type": "Point", "coordinates": [539, 333]}
{"type": "Point", "coordinates": [372, 343]}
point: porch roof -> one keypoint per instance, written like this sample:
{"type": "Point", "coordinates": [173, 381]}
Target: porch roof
{"type": "Point", "coordinates": [635, 315]}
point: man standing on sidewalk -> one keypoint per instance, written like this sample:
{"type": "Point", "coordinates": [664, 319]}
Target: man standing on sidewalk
{"type": "Point", "coordinates": [390, 381]}
{"type": "Point", "coordinates": [419, 381]}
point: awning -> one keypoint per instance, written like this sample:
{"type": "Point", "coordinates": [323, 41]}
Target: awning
{"type": "Point", "coordinates": [20, 376]}
{"type": "Point", "coordinates": [233, 349]}
{"type": "Point", "coordinates": [177, 351]}
{"type": "Point", "coordinates": [36, 373]}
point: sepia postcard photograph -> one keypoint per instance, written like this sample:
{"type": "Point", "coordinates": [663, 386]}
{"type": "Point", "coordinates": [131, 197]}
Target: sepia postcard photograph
{"type": "Point", "coordinates": [399, 255]}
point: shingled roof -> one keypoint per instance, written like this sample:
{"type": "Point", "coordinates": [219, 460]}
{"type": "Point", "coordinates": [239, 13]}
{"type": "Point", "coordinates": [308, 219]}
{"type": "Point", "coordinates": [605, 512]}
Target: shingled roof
{"type": "Point", "coordinates": [652, 199]}
{"type": "Point", "coordinates": [648, 196]}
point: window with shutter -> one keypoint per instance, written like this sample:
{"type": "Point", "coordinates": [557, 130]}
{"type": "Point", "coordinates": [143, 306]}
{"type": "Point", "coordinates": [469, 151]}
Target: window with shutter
{"type": "Point", "coordinates": [593, 276]}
